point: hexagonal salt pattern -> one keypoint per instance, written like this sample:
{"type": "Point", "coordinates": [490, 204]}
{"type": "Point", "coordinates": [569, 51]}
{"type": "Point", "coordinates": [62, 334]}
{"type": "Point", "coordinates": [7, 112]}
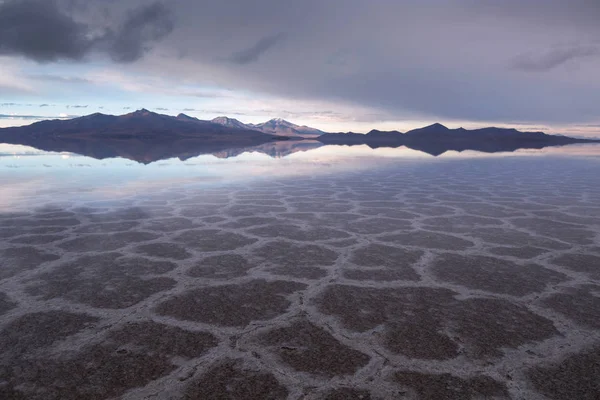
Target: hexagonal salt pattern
{"type": "Point", "coordinates": [453, 279]}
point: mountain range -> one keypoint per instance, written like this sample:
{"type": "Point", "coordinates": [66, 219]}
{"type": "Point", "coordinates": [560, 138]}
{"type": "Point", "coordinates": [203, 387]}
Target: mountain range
{"type": "Point", "coordinates": [146, 136]}
{"type": "Point", "coordinates": [437, 139]}
{"type": "Point", "coordinates": [276, 126]}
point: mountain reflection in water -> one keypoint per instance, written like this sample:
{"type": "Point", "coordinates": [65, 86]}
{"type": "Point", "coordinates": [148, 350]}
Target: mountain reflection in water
{"type": "Point", "coordinates": [146, 151]}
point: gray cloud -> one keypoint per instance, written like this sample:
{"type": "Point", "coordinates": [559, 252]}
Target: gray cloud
{"type": "Point", "coordinates": [31, 117]}
{"type": "Point", "coordinates": [393, 60]}
{"type": "Point", "coordinates": [40, 31]}
{"type": "Point", "coordinates": [253, 53]}
{"type": "Point", "coordinates": [44, 31]}
{"type": "Point", "coordinates": [142, 27]}
{"type": "Point", "coordinates": [554, 58]}
{"type": "Point", "coordinates": [58, 78]}
{"type": "Point", "coordinates": [77, 106]}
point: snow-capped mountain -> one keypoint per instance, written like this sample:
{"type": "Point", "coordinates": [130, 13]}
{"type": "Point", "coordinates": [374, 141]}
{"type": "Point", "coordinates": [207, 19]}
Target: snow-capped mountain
{"type": "Point", "coordinates": [230, 122]}
{"type": "Point", "coordinates": [277, 126]}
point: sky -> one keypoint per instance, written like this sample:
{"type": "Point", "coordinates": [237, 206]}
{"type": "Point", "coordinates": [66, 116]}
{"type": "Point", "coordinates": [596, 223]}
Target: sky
{"type": "Point", "coordinates": [337, 65]}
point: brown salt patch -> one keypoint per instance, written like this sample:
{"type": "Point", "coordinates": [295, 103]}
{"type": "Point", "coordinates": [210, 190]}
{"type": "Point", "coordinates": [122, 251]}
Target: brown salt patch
{"type": "Point", "coordinates": [348, 394]}
{"type": "Point", "coordinates": [449, 387]}
{"type": "Point", "coordinates": [430, 240]}
{"type": "Point", "coordinates": [581, 304]}
{"type": "Point", "coordinates": [124, 214]}
{"type": "Point", "coordinates": [494, 274]}
{"type": "Point", "coordinates": [512, 237]}
{"type": "Point", "coordinates": [398, 259]}
{"type": "Point", "coordinates": [299, 272]}
{"type": "Point", "coordinates": [288, 254]}
{"type": "Point", "coordinates": [249, 222]}
{"type": "Point", "coordinates": [523, 252]}
{"type": "Point", "coordinates": [567, 232]}
{"type": "Point", "coordinates": [213, 240]}
{"type": "Point", "coordinates": [459, 224]}
{"type": "Point", "coordinates": [201, 210]}
{"type": "Point", "coordinates": [107, 227]}
{"type": "Point", "coordinates": [488, 210]}
{"type": "Point", "coordinates": [102, 281]}
{"type": "Point", "coordinates": [483, 326]}
{"type": "Point", "coordinates": [576, 377]}
{"type": "Point", "coordinates": [379, 274]}
{"type": "Point", "coordinates": [169, 224]}
{"type": "Point", "coordinates": [5, 303]}
{"type": "Point", "coordinates": [377, 225]}
{"type": "Point", "coordinates": [587, 263]}
{"type": "Point", "coordinates": [486, 326]}
{"type": "Point", "coordinates": [321, 206]}
{"type": "Point", "coordinates": [388, 212]}
{"type": "Point", "coordinates": [129, 357]}
{"type": "Point", "coordinates": [164, 250]}
{"type": "Point", "coordinates": [420, 337]}
{"type": "Point", "coordinates": [39, 223]}
{"type": "Point", "coordinates": [308, 348]}
{"type": "Point", "coordinates": [229, 380]}
{"type": "Point", "coordinates": [15, 260]}
{"type": "Point", "coordinates": [225, 266]}
{"type": "Point", "coordinates": [252, 211]}
{"type": "Point", "coordinates": [106, 242]}
{"type": "Point", "coordinates": [39, 330]}
{"type": "Point", "coordinates": [163, 339]}
{"type": "Point", "coordinates": [232, 305]}
{"type": "Point", "coordinates": [296, 233]}
{"type": "Point", "coordinates": [37, 239]}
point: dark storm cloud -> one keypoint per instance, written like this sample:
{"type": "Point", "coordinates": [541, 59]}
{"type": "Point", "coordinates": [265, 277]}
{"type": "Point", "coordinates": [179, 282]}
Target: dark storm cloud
{"type": "Point", "coordinates": [141, 27]}
{"type": "Point", "coordinates": [43, 31]}
{"type": "Point", "coordinates": [553, 58]}
{"type": "Point", "coordinates": [440, 59]}
{"type": "Point", "coordinates": [38, 30]}
{"type": "Point", "coordinates": [253, 53]}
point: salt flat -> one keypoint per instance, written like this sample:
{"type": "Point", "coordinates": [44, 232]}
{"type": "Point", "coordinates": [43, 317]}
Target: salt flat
{"type": "Point", "coordinates": [459, 278]}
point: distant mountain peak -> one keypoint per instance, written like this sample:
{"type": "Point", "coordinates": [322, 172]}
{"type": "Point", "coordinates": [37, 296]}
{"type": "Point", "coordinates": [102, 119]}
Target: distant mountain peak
{"type": "Point", "coordinates": [230, 122]}
{"type": "Point", "coordinates": [141, 113]}
{"type": "Point", "coordinates": [437, 125]}
{"type": "Point", "coordinates": [185, 117]}
{"type": "Point", "coordinates": [279, 121]}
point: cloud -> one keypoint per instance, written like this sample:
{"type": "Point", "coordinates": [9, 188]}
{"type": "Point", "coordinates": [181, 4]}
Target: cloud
{"type": "Point", "coordinates": [453, 60]}
{"type": "Point", "coordinates": [31, 117]}
{"type": "Point", "coordinates": [58, 78]}
{"type": "Point", "coordinates": [532, 62]}
{"type": "Point", "coordinates": [141, 27]}
{"type": "Point", "coordinates": [253, 53]}
{"type": "Point", "coordinates": [77, 106]}
{"type": "Point", "coordinates": [40, 30]}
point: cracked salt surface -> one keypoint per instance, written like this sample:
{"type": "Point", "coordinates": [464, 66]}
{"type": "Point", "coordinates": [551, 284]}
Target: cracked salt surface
{"type": "Point", "coordinates": [454, 279]}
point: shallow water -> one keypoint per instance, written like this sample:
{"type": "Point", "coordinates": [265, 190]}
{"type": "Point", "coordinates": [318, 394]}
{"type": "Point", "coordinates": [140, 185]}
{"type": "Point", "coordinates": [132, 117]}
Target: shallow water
{"type": "Point", "coordinates": [330, 273]}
